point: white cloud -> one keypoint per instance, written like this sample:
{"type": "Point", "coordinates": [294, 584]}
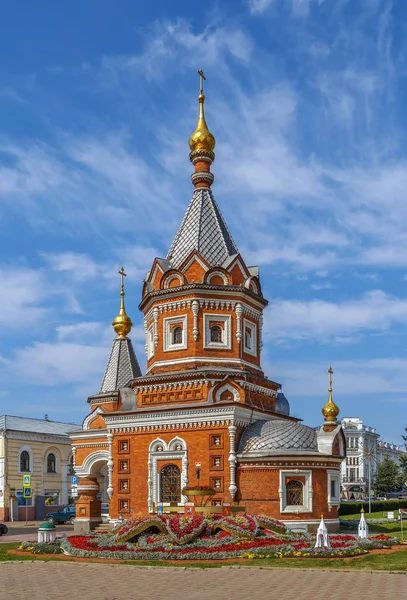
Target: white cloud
{"type": "Point", "coordinates": [53, 364]}
{"type": "Point", "coordinates": [376, 311]}
{"type": "Point", "coordinates": [173, 45]}
{"type": "Point", "coordinates": [22, 297]}
{"type": "Point", "coordinates": [351, 377]}
{"type": "Point", "coordinates": [299, 8]}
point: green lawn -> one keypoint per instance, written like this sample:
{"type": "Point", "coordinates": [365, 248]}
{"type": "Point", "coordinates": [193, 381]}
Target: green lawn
{"type": "Point", "coordinates": [373, 515]}
{"type": "Point", "coordinates": [387, 528]}
{"type": "Point", "coordinates": [396, 561]}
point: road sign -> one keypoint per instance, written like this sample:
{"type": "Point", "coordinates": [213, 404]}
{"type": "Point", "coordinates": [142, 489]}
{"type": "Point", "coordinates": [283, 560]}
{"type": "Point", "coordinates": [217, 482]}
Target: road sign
{"type": "Point", "coordinates": [26, 480]}
{"type": "Point", "coordinates": [27, 492]}
{"type": "Point", "coordinates": [74, 479]}
{"type": "Point", "coordinates": [74, 491]}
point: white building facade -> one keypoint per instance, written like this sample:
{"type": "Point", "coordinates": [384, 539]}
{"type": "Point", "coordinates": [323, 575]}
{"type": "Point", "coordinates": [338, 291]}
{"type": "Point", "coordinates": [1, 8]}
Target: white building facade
{"type": "Point", "coordinates": [364, 451]}
{"type": "Point", "coordinates": [41, 449]}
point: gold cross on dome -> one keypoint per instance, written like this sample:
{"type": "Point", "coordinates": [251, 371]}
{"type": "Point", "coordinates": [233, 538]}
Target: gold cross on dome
{"type": "Point", "coordinates": [330, 371]}
{"type": "Point", "coordinates": [201, 79]}
{"type": "Point", "coordinates": [122, 276]}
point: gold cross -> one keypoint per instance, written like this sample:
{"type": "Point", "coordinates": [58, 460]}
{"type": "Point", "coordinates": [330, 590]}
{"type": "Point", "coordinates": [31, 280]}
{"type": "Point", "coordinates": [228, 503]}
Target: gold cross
{"type": "Point", "coordinates": [330, 371]}
{"type": "Point", "coordinates": [122, 276]}
{"type": "Point", "coordinates": [201, 78]}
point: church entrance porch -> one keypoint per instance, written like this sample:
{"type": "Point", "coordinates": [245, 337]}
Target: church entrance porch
{"type": "Point", "coordinates": [93, 491]}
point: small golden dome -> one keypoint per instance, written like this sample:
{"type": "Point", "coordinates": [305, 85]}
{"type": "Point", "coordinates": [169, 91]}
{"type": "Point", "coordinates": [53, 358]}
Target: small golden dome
{"type": "Point", "coordinates": [330, 410]}
{"type": "Point", "coordinates": [122, 323]}
{"type": "Point", "coordinates": [202, 139]}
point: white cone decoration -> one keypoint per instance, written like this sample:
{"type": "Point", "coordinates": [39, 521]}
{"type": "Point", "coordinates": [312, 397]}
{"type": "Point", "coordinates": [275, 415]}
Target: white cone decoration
{"type": "Point", "coordinates": [363, 530]}
{"type": "Point", "coordinates": [322, 540]}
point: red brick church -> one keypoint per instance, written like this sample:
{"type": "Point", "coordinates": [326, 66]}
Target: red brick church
{"type": "Point", "coordinates": [204, 398]}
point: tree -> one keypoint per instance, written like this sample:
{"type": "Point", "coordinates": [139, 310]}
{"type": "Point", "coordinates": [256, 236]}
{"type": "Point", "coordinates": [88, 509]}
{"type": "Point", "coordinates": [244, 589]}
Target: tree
{"type": "Point", "coordinates": [402, 476]}
{"type": "Point", "coordinates": [386, 477]}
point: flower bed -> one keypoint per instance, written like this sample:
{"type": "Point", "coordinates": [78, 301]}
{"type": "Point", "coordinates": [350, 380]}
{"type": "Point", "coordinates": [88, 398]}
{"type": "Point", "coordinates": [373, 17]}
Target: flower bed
{"type": "Point", "coordinates": [42, 547]}
{"type": "Point", "coordinates": [177, 537]}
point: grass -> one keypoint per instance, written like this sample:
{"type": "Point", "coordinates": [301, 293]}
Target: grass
{"type": "Point", "coordinates": [393, 529]}
{"type": "Point", "coordinates": [395, 561]}
{"type": "Point", "coordinates": [373, 515]}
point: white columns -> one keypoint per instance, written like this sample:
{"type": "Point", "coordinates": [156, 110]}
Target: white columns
{"type": "Point", "coordinates": [155, 315]}
{"type": "Point", "coordinates": [195, 311]}
{"type": "Point", "coordinates": [64, 488]}
{"type": "Point", "coordinates": [146, 332]}
{"type": "Point", "coordinates": [232, 461]}
{"type": "Point", "coordinates": [110, 466]}
{"type": "Point", "coordinates": [239, 311]}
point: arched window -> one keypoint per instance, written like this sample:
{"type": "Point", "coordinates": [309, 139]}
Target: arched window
{"type": "Point", "coordinates": [216, 333]}
{"type": "Point", "coordinates": [177, 335]}
{"type": "Point", "coordinates": [24, 462]}
{"type": "Point", "coordinates": [170, 484]}
{"type": "Point", "coordinates": [294, 493]}
{"type": "Point", "coordinates": [51, 463]}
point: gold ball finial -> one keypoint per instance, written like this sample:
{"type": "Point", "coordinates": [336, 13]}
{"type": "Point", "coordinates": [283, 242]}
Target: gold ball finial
{"type": "Point", "coordinates": [122, 324]}
{"type": "Point", "coordinates": [202, 138]}
{"type": "Point", "coordinates": [330, 410]}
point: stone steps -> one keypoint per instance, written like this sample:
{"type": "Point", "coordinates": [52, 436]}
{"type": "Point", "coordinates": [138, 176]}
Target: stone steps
{"type": "Point", "coordinates": [103, 527]}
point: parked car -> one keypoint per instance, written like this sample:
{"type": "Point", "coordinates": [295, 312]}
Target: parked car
{"type": "Point", "coordinates": [3, 529]}
{"type": "Point", "coordinates": [66, 514]}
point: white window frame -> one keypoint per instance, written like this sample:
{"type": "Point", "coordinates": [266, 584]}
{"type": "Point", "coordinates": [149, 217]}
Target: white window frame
{"type": "Point", "coordinates": [225, 320]}
{"type": "Point", "coordinates": [30, 454]}
{"type": "Point", "coordinates": [150, 341]}
{"type": "Point", "coordinates": [183, 322]}
{"type": "Point", "coordinates": [334, 476]}
{"type": "Point", "coordinates": [52, 473]}
{"type": "Point", "coordinates": [253, 328]}
{"type": "Point", "coordinates": [307, 491]}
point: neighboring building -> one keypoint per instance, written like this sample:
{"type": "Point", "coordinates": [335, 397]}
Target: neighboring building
{"type": "Point", "coordinates": [204, 397]}
{"type": "Point", "coordinates": [39, 448]}
{"type": "Point", "coordinates": [364, 450]}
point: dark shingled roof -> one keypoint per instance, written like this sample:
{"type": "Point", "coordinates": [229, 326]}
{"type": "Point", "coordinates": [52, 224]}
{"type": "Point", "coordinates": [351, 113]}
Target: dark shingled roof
{"type": "Point", "coordinates": [203, 228]}
{"type": "Point", "coordinates": [265, 437]}
{"type": "Point", "coordinates": [121, 367]}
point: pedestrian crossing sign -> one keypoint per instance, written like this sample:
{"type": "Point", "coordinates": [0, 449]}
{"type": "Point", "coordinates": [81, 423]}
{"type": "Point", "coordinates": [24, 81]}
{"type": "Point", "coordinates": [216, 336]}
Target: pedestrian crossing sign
{"type": "Point", "coordinates": [27, 492]}
{"type": "Point", "coordinates": [26, 480]}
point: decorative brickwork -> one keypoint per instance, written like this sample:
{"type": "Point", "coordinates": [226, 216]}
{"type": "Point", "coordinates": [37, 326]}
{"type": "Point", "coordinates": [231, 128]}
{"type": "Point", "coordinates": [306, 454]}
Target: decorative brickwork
{"type": "Point", "coordinates": [204, 399]}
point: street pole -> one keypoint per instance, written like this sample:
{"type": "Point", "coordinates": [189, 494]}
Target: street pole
{"type": "Point", "coordinates": [370, 494]}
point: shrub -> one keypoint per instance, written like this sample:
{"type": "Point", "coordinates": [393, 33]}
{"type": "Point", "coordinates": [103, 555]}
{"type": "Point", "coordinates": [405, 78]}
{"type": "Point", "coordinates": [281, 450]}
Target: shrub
{"type": "Point", "coordinates": [350, 508]}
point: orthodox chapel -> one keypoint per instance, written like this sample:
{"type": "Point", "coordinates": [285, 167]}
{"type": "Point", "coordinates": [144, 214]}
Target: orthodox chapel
{"type": "Point", "coordinates": [204, 413]}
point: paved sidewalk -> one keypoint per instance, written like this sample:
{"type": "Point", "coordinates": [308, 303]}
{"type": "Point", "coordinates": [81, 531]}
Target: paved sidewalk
{"type": "Point", "coordinates": [54, 581]}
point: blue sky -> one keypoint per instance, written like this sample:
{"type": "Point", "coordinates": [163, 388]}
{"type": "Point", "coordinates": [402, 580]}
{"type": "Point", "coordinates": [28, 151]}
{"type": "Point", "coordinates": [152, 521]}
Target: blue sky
{"type": "Point", "coordinates": [307, 101]}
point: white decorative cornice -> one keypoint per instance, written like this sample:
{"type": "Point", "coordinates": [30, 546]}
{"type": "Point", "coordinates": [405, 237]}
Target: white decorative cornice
{"type": "Point", "coordinates": [177, 385]}
{"type": "Point", "coordinates": [39, 437]}
{"type": "Point", "coordinates": [88, 433]}
{"type": "Point", "coordinates": [204, 359]}
{"type": "Point", "coordinates": [92, 416]}
{"type": "Point", "coordinates": [96, 445]}
{"type": "Point", "coordinates": [257, 388]}
{"type": "Point", "coordinates": [185, 419]}
{"type": "Point", "coordinates": [202, 291]}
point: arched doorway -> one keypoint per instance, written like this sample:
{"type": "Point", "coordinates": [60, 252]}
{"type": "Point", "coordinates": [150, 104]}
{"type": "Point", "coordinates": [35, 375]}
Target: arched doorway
{"type": "Point", "coordinates": [93, 485]}
{"type": "Point", "coordinates": [170, 484]}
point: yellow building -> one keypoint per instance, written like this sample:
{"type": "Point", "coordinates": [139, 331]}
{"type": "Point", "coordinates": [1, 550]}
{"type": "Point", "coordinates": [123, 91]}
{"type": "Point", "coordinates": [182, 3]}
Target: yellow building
{"type": "Point", "coordinates": [42, 449]}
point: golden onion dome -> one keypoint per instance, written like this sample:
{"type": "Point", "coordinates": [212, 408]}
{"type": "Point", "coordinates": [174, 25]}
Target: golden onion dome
{"type": "Point", "coordinates": [202, 139]}
{"type": "Point", "coordinates": [122, 324]}
{"type": "Point", "coordinates": [330, 410]}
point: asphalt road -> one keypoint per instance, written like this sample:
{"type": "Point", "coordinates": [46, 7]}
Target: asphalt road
{"type": "Point", "coordinates": [19, 528]}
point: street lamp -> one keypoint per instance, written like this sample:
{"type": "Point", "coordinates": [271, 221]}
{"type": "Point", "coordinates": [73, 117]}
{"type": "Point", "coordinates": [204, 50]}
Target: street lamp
{"type": "Point", "coordinates": [369, 454]}
{"type": "Point", "coordinates": [198, 466]}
